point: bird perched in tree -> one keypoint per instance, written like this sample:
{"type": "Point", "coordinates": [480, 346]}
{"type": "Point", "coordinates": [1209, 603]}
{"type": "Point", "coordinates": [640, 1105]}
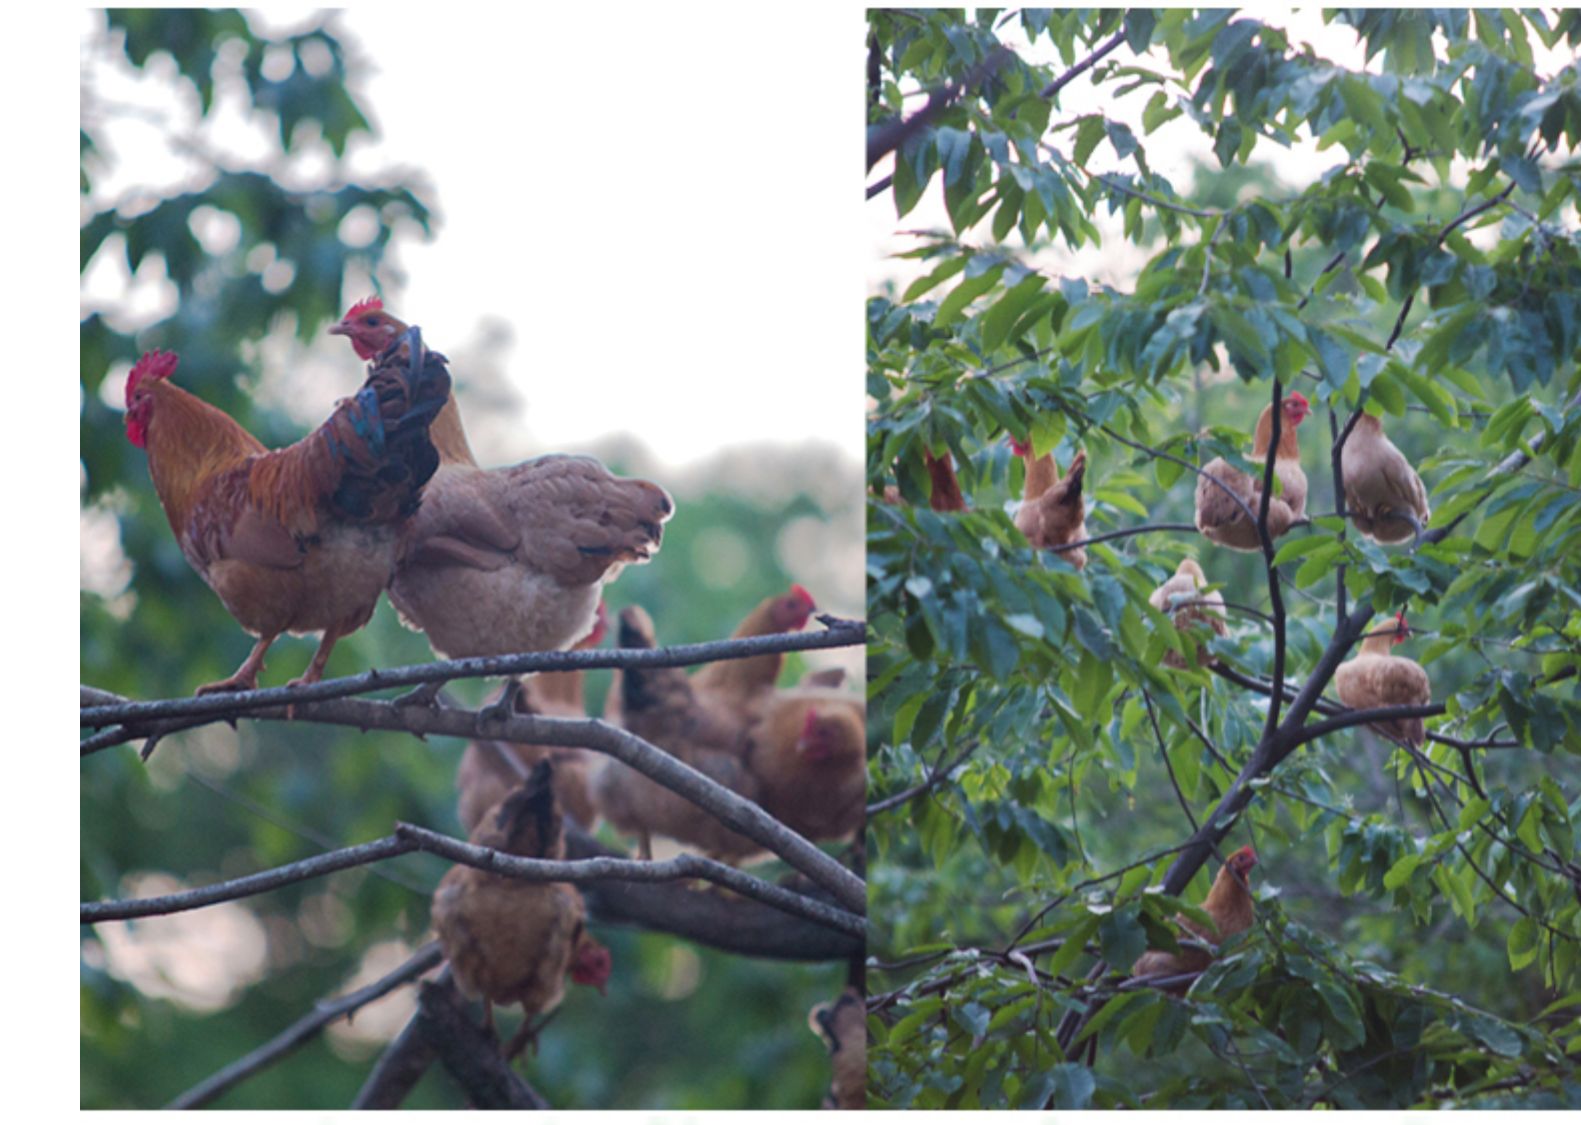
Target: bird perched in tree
{"type": "Point", "coordinates": [809, 756]}
{"type": "Point", "coordinates": [944, 493]}
{"type": "Point", "coordinates": [1375, 678]}
{"type": "Point", "coordinates": [842, 1026]}
{"type": "Point", "coordinates": [741, 688]}
{"type": "Point", "coordinates": [510, 941]}
{"type": "Point", "coordinates": [1383, 494]}
{"type": "Point", "coordinates": [1229, 904]}
{"type": "Point", "coordinates": [1221, 518]}
{"type": "Point", "coordinates": [660, 706]}
{"type": "Point", "coordinates": [514, 559]}
{"type": "Point", "coordinates": [1186, 587]}
{"type": "Point", "coordinates": [299, 539]}
{"type": "Point", "coordinates": [1052, 512]}
{"type": "Point", "coordinates": [490, 769]}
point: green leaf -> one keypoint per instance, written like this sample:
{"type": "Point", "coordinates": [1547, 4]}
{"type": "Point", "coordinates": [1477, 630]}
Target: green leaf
{"type": "Point", "coordinates": [1522, 943]}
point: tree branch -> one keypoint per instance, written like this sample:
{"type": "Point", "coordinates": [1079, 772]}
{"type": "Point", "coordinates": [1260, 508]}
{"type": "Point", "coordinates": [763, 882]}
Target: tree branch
{"type": "Point", "coordinates": [731, 809]}
{"type": "Point", "coordinates": [323, 1014]}
{"type": "Point", "coordinates": [471, 1056]}
{"type": "Point", "coordinates": [886, 138]}
{"type": "Point", "coordinates": [840, 633]}
{"type": "Point", "coordinates": [605, 869]}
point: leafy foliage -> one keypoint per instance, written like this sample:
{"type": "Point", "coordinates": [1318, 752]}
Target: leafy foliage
{"type": "Point", "coordinates": [1419, 917]}
{"type": "Point", "coordinates": [166, 1002]}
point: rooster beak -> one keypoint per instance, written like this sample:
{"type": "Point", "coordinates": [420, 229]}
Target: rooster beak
{"type": "Point", "coordinates": [338, 329]}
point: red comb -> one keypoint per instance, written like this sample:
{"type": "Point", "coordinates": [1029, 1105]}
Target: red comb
{"type": "Point", "coordinates": [1018, 449]}
{"type": "Point", "coordinates": [1297, 396]}
{"type": "Point", "coordinates": [153, 365]}
{"type": "Point", "coordinates": [799, 591]}
{"type": "Point", "coordinates": [809, 726]}
{"type": "Point", "coordinates": [367, 304]}
{"type": "Point", "coordinates": [600, 627]}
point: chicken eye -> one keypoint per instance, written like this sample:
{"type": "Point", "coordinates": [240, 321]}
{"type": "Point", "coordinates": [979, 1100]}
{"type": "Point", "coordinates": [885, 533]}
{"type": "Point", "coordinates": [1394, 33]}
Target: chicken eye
{"type": "Point", "coordinates": [371, 321]}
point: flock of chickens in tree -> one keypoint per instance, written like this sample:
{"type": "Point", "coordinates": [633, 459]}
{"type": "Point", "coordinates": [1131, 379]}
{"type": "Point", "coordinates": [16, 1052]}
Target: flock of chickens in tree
{"type": "Point", "coordinates": [1385, 501]}
{"type": "Point", "coordinates": [387, 495]}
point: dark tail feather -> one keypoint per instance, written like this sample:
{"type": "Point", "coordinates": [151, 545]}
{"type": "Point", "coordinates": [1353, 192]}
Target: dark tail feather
{"type": "Point", "coordinates": [379, 437]}
{"type": "Point", "coordinates": [529, 819]}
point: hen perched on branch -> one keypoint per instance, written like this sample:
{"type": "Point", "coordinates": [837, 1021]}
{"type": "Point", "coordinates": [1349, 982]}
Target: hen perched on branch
{"type": "Point", "coordinates": [1052, 511]}
{"type": "Point", "coordinates": [741, 688]}
{"type": "Point", "coordinates": [1383, 494]}
{"type": "Point", "coordinates": [1229, 904]}
{"type": "Point", "coordinates": [299, 539]}
{"type": "Point", "coordinates": [1374, 678]}
{"type": "Point", "coordinates": [660, 706]}
{"type": "Point", "coordinates": [510, 941]}
{"type": "Point", "coordinates": [1221, 519]}
{"type": "Point", "coordinates": [1186, 586]}
{"type": "Point", "coordinates": [513, 559]}
{"type": "Point", "coordinates": [809, 756]}
{"type": "Point", "coordinates": [489, 770]}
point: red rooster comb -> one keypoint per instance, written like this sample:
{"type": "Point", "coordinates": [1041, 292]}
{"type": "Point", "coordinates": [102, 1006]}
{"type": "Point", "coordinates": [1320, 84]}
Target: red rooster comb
{"type": "Point", "coordinates": [595, 635]}
{"type": "Point", "coordinates": [1018, 449]}
{"type": "Point", "coordinates": [800, 592]}
{"type": "Point", "coordinates": [1401, 629]}
{"type": "Point", "coordinates": [154, 365]}
{"type": "Point", "coordinates": [367, 304]}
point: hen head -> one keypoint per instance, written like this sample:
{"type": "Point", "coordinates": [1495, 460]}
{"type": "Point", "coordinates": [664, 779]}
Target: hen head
{"type": "Point", "coordinates": [1242, 862]}
{"type": "Point", "coordinates": [1401, 629]}
{"type": "Point", "coordinates": [590, 963]}
{"type": "Point", "coordinates": [153, 366]}
{"type": "Point", "coordinates": [791, 611]}
{"type": "Point", "coordinates": [1295, 408]}
{"type": "Point", "coordinates": [1020, 449]}
{"type": "Point", "coordinates": [828, 737]}
{"type": "Point", "coordinates": [369, 328]}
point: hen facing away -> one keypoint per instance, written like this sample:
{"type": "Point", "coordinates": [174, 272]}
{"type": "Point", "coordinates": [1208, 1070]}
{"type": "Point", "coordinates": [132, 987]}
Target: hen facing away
{"type": "Point", "coordinates": [1052, 512]}
{"type": "Point", "coordinates": [1383, 494]}
{"type": "Point", "coordinates": [1229, 904]}
{"type": "Point", "coordinates": [510, 941]}
{"type": "Point", "coordinates": [513, 559]}
{"type": "Point", "coordinates": [659, 706]}
{"type": "Point", "coordinates": [490, 769]}
{"type": "Point", "coordinates": [299, 539]}
{"type": "Point", "coordinates": [1374, 678]}
{"type": "Point", "coordinates": [1181, 590]}
{"type": "Point", "coordinates": [1221, 519]}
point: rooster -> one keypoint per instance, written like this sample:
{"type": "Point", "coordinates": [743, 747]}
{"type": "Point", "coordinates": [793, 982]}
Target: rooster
{"type": "Point", "coordinates": [1186, 587]}
{"type": "Point", "coordinates": [1221, 519]}
{"type": "Point", "coordinates": [1052, 512]}
{"type": "Point", "coordinates": [515, 559]}
{"type": "Point", "coordinates": [299, 539]}
{"type": "Point", "coordinates": [809, 756]}
{"type": "Point", "coordinates": [741, 688]}
{"type": "Point", "coordinates": [489, 770]}
{"type": "Point", "coordinates": [1383, 494]}
{"type": "Point", "coordinates": [659, 706]}
{"type": "Point", "coordinates": [1374, 678]}
{"type": "Point", "coordinates": [1229, 904]}
{"type": "Point", "coordinates": [510, 941]}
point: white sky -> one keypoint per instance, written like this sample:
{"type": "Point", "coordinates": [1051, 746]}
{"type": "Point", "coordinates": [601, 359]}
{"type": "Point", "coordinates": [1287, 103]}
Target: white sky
{"type": "Point", "coordinates": [651, 206]}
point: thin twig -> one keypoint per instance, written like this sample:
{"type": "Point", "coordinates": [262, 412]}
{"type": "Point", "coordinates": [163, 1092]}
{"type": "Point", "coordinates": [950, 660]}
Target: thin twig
{"type": "Point", "coordinates": [839, 634]}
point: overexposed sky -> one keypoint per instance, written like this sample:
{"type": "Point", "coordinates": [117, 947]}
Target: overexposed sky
{"type": "Point", "coordinates": [646, 223]}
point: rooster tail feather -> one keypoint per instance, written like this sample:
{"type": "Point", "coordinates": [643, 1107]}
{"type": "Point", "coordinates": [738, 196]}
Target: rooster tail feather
{"type": "Point", "coordinates": [378, 441]}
